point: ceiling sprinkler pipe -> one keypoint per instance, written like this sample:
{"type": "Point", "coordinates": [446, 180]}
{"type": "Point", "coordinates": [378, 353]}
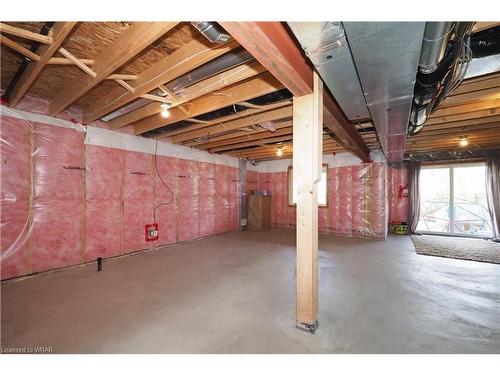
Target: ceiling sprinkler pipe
{"type": "Point", "coordinates": [212, 31]}
{"type": "Point", "coordinates": [436, 38]}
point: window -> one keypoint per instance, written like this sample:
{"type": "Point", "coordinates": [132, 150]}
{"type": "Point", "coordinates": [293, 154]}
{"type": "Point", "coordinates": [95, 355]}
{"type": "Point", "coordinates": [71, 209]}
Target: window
{"type": "Point", "coordinates": [322, 188]}
{"type": "Point", "coordinates": [453, 200]}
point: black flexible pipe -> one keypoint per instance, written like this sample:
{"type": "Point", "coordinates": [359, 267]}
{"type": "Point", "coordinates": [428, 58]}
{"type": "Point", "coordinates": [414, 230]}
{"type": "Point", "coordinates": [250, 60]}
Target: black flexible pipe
{"type": "Point", "coordinates": [485, 43]}
{"type": "Point", "coordinates": [24, 64]}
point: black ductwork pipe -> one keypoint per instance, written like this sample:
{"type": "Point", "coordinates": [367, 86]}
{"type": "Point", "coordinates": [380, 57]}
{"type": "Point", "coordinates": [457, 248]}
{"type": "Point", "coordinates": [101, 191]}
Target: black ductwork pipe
{"type": "Point", "coordinates": [485, 43]}
{"type": "Point", "coordinates": [432, 87]}
{"type": "Point", "coordinates": [24, 64]}
{"type": "Point", "coordinates": [426, 85]}
{"type": "Point", "coordinates": [212, 31]}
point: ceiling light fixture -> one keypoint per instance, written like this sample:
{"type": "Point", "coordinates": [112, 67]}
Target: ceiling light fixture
{"type": "Point", "coordinates": [164, 110]}
{"type": "Point", "coordinates": [279, 151]}
{"type": "Point", "coordinates": [463, 141]}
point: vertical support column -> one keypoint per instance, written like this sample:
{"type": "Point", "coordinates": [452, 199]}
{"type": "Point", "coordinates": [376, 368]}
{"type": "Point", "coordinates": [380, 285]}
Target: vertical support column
{"type": "Point", "coordinates": [307, 163]}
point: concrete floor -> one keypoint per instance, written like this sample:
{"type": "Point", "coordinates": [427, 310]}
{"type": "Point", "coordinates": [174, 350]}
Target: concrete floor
{"type": "Point", "coordinates": [235, 293]}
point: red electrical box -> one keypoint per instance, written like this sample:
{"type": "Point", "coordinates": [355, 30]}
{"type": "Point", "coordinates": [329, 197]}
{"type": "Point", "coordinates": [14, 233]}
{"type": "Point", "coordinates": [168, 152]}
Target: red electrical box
{"type": "Point", "coordinates": [151, 232]}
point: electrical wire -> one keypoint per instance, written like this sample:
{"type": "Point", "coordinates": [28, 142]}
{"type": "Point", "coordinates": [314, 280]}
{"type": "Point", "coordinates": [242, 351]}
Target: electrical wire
{"type": "Point", "coordinates": [163, 182]}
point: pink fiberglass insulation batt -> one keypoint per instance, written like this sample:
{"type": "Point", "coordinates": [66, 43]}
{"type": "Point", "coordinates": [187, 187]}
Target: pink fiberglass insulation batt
{"type": "Point", "coordinates": [356, 201]}
{"type": "Point", "coordinates": [91, 201]}
{"type": "Point", "coordinates": [398, 194]}
{"type": "Point", "coordinates": [15, 195]}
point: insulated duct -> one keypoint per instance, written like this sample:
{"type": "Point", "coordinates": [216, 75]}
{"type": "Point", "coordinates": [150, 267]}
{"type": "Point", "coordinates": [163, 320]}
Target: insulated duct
{"type": "Point", "coordinates": [212, 31]}
{"type": "Point", "coordinates": [436, 37]}
{"type": "Point", "coordinates": [434, 85]}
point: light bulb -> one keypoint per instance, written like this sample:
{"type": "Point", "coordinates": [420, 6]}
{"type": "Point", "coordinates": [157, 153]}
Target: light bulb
{"type": "Point", "coordinates": [164, 110]}
{"type": "Point", "coordinates": [165, 113]}
{"type": "Point", "coordinates": [463, 141]}
{"type": "Point", "coordinates": [279, 152]}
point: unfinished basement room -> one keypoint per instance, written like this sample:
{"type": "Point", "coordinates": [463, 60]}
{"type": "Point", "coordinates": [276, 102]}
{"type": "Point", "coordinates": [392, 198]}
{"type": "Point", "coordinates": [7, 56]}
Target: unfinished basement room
{"type": "Point", "coordinates": [250, 187]}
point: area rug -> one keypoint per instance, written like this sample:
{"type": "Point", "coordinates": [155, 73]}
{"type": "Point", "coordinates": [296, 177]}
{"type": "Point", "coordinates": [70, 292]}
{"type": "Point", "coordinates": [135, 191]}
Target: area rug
{"type": "Point", "coordinates": [458, 248]}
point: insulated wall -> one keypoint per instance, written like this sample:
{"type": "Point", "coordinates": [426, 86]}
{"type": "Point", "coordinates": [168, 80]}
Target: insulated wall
{"type": "Point", "coordinates": [398, 194]}
{"type": "Point", "coordinates": [64, 202]}
{"type": "Point", "coordinates": [357, 200]}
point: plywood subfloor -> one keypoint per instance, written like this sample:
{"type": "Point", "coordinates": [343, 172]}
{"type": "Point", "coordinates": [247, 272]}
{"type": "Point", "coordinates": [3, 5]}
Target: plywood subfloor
{"type": "Point", "coordinates": [235, 293]}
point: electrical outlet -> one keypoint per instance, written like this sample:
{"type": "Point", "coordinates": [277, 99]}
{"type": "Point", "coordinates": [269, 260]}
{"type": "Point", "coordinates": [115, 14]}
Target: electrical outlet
{"type": "Point", "coordinates": [151, 232]}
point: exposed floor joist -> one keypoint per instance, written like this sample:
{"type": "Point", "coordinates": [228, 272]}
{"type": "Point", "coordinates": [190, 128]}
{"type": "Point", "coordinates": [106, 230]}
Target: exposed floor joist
{"type": "Point", "coordinates": [263, 84]}
{"type": "Point", "coordinates": [197, 52]}
{"type": "Point", "coordinates": [60, 31]}
{"type": "Point", "coordinates": [271, 44]}
{"type": "Point", "coordinates": [128, 44]}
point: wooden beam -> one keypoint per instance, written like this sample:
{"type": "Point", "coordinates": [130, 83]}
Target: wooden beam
{"type": "Point", "coordinates": [271, 44]}
{"type": "Point", "coordinates": [253, 140]}
{"type": "Point", "coordinates": [18, 48]}
{"type": "Point", "coordinates": [17, 31]}
{"type": "Point", "coordinates": [465, 108]}
{"type": "Point", "coordinates": [343, 129]}
{"type": "Point", "coordinates": [128, 44]}
{"type": "Point", "coordinates": [463, 116]}
{"type": "Point", "coordinates": [307, 169]}
{"type": "Point", "coordinates": [481, 95]}
{"type": "Point", "coordinates": [125, 85]}
{"type": "Point", "coordinates": [263, 84]}
{"type": "Point", "coordinates": [156, 98]}
{"type": "Point", "coordinates": [237, 136]}
{"type": "Point", "coordinates": [60, 31]}
{"type": "Point", "coordinates": [197, 52]}
{"type": "Point", "coordinates": [205, 124]}
{"type": "Point", "coordinates": [124, 77]}
{"type": "Point", "coordinates": [480, 26]}
{"type": "Point", "coordinates": [65, 61]}
{"type": "Point", "coordinates": [272, 115]}
{"type": "Point", "coordinates": [77, 62]}
{"type": "Point", "coordinates": [204, 87]}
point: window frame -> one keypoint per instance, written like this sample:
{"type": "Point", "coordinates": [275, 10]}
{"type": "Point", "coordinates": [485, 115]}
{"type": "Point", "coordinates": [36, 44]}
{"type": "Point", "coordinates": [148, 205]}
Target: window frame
{"type": "Point", "coordinates": [289, 186]}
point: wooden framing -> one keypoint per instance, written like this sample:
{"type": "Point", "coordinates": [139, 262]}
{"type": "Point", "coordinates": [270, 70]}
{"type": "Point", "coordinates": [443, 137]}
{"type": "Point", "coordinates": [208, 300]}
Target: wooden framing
{"type": "Point", "coordinates": [195, 91]}
{"type": "Point", "coordinates": [262, 84]}
{"type": "Point", "coordinates": [133, 40]}
{"type": "Point", "coordinates": [192, 55]}
{"type": "Point", "coordinates": [272, 115]}
{"type": "Point", "coordinates": [271, 44]}
{"type": "Point", "coordinates": [307, 166]}
{"type": "Point", "coordinates": [199, 124]}
{"type": "Point", "coordinates": [65, 61]}
{"type": "Point", "coordinates": [18, 48]}
{"type": "Point", "coordinates": [77, 62]}
{"type": "Point", "coordinates": [60, 31]}
{"type": "Point", "coordinates": [25, 34]}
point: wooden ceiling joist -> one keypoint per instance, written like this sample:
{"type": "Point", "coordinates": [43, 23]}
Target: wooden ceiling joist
{"type": "Point", "coordinates": [472, 107]}
{"type": "Point", "coordinates": [271, 44]}
{"type": "Point", "coordinates": [239, 136]}
{"type": "Point", "coordinates": [492, 93]}
{"type": "Point", "coordinates": [25, 34]}
{"type": "Point", "coordinates": [253, 140]}
{"type": "Point", "coordinates": [59, 34]}
{"type": "Point", "coordinates": [77, 62]}
{"type": "Point", "coordinates": [263, 84]}
{"type": "Point", "coordinates": [128, 44]}
{"type": "Point", "coordinates": [18, 48]}
{"type": "Point", "coordinates": [65, 61]}
{"type": "Point", "coordinates": [197, 52]}
{"type": "Point", "coordinates": [195, 91]}
{"type": "Point", "coordinates": [204, 124]}
{"type": "Point", "coordinates": [272, 115]}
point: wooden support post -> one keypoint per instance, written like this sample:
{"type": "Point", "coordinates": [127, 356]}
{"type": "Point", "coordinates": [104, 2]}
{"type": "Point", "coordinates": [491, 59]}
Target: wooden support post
{"type": "Point", "coordinates": [307, 162]}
